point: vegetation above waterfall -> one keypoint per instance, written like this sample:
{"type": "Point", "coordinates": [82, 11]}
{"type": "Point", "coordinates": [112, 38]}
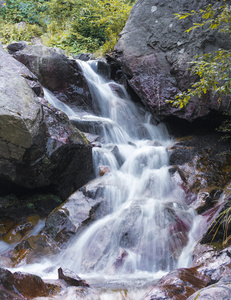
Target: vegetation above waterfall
{"type": "Point", "coordinates": [212, 69]}
{"type": "Point", "coordinates": [74, 25]}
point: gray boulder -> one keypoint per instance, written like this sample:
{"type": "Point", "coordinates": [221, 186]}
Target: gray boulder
{"type": "Point", "coordinates": [154, 52]}
{"type": "Point", "coordinates": [38, 146]}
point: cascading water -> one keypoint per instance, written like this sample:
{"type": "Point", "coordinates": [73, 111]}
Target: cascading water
{"type": "Point", "coordinates": [146, 227]}
{"type": "Point", "coordinates": [148, 222]}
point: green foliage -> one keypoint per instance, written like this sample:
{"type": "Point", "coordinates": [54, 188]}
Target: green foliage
{"type": "Point", "coordinates": [223, 220]}
{"type": "Point", "coordinates": [12, 32]}
{"type": "Point", "coordinates": [74, 25]}
{"type": "Point", "coordinates": [214, 71]}
{"type": "Point", "coordinates": [68, 40]}
{"type": "Point", "coordinates": [217, 16]}
{"type": "Point", "coordinates": [102, 21]}
{"type": "Point", "coordinates": [21, 10]}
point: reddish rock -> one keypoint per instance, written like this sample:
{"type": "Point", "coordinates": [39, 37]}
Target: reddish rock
{"type": "Point", "coordinates": [103, 170]}
{"type": "Point", "coordinates": [30, 286]}
{"type": "Point", "coordinates": [23, 286]}
{"type": "Point", "coordinates": [32, 249]}
{"type": "Point", "coordinates": [71, 278]}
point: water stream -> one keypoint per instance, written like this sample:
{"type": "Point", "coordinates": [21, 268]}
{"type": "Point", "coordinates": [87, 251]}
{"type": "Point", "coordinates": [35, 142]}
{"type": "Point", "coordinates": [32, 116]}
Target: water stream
{"type": "Point", "coordinates": [146, 228]}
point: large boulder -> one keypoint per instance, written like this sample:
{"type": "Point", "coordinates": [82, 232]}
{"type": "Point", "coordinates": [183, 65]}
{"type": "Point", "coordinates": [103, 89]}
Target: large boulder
{"type": "Point", "coordinates": [154, 52]}
{"type": "Point", "coordinates": [20, 285]}
{"type": "Point", "coordinates": [39, 146]}
{"type": "Point", "coordinates": [56, 72]}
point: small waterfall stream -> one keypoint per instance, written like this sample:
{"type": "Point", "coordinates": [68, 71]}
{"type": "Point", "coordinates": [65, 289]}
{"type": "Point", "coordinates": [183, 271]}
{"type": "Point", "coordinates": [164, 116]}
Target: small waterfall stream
{"type": "Point", "coordinates": [147, 225]}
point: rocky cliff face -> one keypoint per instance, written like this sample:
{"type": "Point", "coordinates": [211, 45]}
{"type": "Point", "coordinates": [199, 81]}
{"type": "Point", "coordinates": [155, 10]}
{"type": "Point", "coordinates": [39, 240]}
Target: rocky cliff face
{"type": "Point", "coordinates": [154, 52]}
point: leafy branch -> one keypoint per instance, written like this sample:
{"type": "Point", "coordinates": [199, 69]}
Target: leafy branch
{"type": "Point", "coordinates": [213, 69]}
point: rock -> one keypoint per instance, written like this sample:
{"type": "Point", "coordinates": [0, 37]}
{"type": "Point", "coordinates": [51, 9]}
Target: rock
{"type": "Point", "coordinates": [39, 146]}
{"type": "Point", "coordinates": [20, 216]}
{"type": "Point", "coordinates": [29, 286]}
{"type": "Point", "coordinates": [81, 208]}
{"type": "Point", "coordinates": [71, 278]}
{"type": "Point", "coordinates": [221, 291]}
{"type": "Point", "coordinates": [206, 198]}
{"type": "Point", "coordinates": [58, 225]}
{"type": "Point", "coordinates": [216, 264]}
{"type": "Point", "coordinates": [84, 56]}
{"type": "Point", "coordinates": [201, 166]}
{"type": "Point", "coordinates": [22, 286]}
{"type": "Point", "coordinates": [120, 259]}
{"type": "Point", "coordinates": [103, 170]}
{"type": "Point", "coordinates": [178, 284]}
{"type": "Point", "coordinates": [16, 46]}
{"type": "Point", "coordinates": [154, 52]}
{"type": "Point", "coordinates": [92, 124]}
{"type": "Point", "coordinates": [32, 250]}
{"type": "Point", "coordinates": [220, 230]}
{"type": "Point", "coordinates": [57, 73]}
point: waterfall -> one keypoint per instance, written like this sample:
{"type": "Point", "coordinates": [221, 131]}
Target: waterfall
{"type": "Point", "coordinates": [148, 221]}
{"type": "Point", "coordinates": [147, 224]}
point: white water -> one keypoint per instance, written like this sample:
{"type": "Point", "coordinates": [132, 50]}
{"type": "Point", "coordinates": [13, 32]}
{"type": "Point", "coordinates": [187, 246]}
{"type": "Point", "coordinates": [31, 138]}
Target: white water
{"type": "Point", "coordinates": [144, 233]}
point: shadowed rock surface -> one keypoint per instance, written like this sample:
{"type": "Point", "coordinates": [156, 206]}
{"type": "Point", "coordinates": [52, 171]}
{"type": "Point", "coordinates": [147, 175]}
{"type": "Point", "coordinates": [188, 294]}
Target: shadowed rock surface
{"type": "Point", "coordinates": [39, 146]}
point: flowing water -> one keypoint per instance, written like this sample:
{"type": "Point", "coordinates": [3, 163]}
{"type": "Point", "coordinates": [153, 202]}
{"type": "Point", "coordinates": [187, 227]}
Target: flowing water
{"type": "Point", "coordinates": [147, 224]}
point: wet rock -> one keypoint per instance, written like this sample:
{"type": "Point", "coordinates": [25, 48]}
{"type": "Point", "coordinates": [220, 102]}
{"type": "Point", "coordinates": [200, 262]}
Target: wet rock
{"type": "Point", "coordinates": [206, 198]}
{"type": "Point", "coordinates": [71, 278]}
{"type": "Point", "coordinates": [5, 225]}
{"type": "Point", "coordinates": [120, 259]}
{"type": "Point", "coordinates": [84, 56]}
{"type": "Point", "coordinates": [93, 125]}
{"type": "Point", "coordinates": [31, 249]}
{"type": "Point", "coordinates": [19, 216]}
{"type": "Point", "coordinates": [20, 285]}
{"type": "Point", "coordinates": [205, 168]}
{"type": "Point", "coordinates": [57, 73]}
{"type": "Point", "coordinates": [104, 69]}
{"type": "Point", "coordinates": [79, 210]}
{"type": "Point", "coordinates": [221, 291]}
{"type": "Point", "coordinates": [154, 52]}
{"type": "Point", "coordinates": [213, 261]}
{"type": "Point", "coordinates": [220, 230]}
{"type": "Point", "coordinates": [93, 139]}
{"type": "Point", "coordinates": [117, 89]}
{"type": "Point", "coordinates": [59, 227]}
{"type": "Point", "coordinates": [178, 284]}
{"type": "Point", "coordinates": [104, 170]}
{"type": "Point", "coordinates": [29, 286]}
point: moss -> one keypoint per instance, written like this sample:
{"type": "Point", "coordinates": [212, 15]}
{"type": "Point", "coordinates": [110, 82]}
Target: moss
{"type": "Point", "coordinates": [30, 205]}
{"type": "Point", "coordinates": [197, 295]}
